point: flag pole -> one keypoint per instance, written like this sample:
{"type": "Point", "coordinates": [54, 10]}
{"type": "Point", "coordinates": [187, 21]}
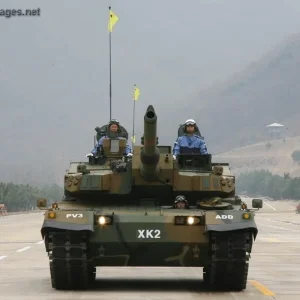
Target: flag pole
{"type": "Point", "coordinates": [110, 91]}
{"type": "Point", "coordinates": [133, 121]}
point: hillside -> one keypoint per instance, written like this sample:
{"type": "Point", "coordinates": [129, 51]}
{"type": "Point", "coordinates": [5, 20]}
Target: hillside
{"type": "Point", "coordinates": [235, 113]}
{"type": "Point", "coordinates": [277, 159]}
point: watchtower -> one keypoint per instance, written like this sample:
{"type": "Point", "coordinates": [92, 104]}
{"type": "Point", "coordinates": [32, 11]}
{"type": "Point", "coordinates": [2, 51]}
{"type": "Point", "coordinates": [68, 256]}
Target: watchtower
{"type": "Point", "coordinates": [275, 130]}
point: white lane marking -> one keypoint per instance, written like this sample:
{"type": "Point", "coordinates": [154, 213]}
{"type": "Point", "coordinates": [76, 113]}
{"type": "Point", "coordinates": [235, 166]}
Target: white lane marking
{"type": "Point", "coordinates": [23, 249]}
{"type": "Point", "coordinates": [281, 221]}
{"type": "Point", "coordinates": [2, 257]}
{"type": "Point", "coordinates": [269, 205]}
{"type": "Point", "coordinates": [40, 242]}
{"type": "Point", "coordinates": [279, 227]}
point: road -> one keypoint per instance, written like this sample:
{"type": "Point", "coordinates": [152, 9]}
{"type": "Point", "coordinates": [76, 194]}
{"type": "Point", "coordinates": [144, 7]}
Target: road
{"type": "Point", "coordinates": [274, 267]}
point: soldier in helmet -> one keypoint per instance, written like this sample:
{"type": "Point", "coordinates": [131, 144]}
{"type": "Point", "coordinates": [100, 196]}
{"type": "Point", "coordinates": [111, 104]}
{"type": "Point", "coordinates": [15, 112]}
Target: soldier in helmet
{"type": "Point", "coordinates": [180, 202]}
{"type": "Point", "coordinates": [189, 140]}
{"type": "Point", "coordinates": [113, 128]}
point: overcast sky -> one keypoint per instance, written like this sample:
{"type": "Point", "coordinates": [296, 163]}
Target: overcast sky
{"type": "Point", "coordinates": [54, 68]}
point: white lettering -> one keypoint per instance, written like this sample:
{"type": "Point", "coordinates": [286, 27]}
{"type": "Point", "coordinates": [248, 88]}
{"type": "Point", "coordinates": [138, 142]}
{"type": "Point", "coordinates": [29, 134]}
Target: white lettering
{"type": "Point", "coordinates": [157, 234]}
{"type": "Point", "coordinates": [224, 217]}
{"type": "Point", "coordinates": [74, 216]}
{"type": "Point", "coordinates": [149, 234]}
{"type": "Point", "coordinates": [141, 234]}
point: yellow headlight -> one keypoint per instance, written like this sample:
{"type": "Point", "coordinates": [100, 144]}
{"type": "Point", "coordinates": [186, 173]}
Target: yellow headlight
{"type": "Point", "coordinates": [246, 216]}
{"type": "Point", "coordinates": [51, 215]}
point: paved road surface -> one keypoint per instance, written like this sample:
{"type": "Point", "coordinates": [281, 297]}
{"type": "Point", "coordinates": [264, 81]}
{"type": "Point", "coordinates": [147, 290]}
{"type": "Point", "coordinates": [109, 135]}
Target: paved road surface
{"type": "Point", "coordinates": [274, 267]}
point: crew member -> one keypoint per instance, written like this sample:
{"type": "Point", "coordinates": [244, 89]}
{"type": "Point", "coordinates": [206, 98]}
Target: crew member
{"type": "Point", "coordinates": [189, 139]}
{"type": "Point", "coordinates": [113, 126]}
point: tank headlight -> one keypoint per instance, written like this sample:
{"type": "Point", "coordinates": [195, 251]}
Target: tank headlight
{"type": "Point", "coordinates": [101, 220]}
{"type": "Point", "coordinates": [190, 220]}
{"type": "Point", "coordinates": [246, 216]}
{"type": "Point", "coordinates": [180, 220]}
{"type": "Point", "coordinates": [183, 220]}
{"type": "Point", "coordinates": [51, 215]}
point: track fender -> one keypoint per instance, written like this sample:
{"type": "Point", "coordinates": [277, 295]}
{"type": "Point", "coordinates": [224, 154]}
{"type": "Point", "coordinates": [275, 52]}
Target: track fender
{"type": "Point", "coordinates": [68, 220]}
{"type": "Point", "coordinates": [229, 221]}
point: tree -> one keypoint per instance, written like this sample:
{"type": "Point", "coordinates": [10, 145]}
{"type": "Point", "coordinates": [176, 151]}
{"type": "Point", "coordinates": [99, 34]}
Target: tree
{"type": "Point", "coordinates": [268, 145]}
{"type": "Point", "coordinates": [18, 197]}
{"type": "Point", "coordinates": [263, 183]}
{"type": "Point", "coordinates": [296, 156]}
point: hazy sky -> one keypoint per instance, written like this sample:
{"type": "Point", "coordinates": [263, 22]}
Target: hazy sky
{"type": "Point", "coordinates": [54, 68]}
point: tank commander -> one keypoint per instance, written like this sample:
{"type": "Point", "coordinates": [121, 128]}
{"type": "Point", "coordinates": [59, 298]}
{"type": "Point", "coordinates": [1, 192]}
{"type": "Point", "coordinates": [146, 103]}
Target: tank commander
{"type": "Point", "coordinates": [113, 127]}
{"type": "Point", "coordinates": [189, 139]}
{"type": "Point", "coordinates": [180, 202]}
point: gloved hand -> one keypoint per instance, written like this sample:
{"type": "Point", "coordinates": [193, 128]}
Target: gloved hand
{"type": "Point", "coordinates": [89, 155]}
{"type": "Point", "coordinates": [174, 157]}
{"type": "Point", "coordinates": [129, 154]}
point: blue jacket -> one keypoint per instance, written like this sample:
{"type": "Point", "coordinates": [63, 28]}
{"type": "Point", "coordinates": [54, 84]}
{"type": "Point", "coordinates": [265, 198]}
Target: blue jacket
{"type": "Point", "coordinates": [193, 141]}
{"type": "Point", "coordinates": [100, 143]}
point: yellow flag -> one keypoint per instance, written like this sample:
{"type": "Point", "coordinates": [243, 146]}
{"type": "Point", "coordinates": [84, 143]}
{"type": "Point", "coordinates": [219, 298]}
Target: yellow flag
{"type": "Point", "coordinates": [113, 19]}
{"type": "Point", "coordinates": [133, 139]}
{"type": "Point", "coordinates": [136, 93]}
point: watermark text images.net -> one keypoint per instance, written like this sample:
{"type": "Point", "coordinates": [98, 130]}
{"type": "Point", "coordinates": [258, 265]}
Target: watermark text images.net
{"type": "Point", "coordinates": [19, 12]}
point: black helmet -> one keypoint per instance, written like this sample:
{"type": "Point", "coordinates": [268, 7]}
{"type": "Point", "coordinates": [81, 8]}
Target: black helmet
{"type": "Point", "coordinates": [181, 198]}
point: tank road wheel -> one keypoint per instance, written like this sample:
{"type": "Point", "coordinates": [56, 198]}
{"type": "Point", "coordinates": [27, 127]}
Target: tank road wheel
{"type": "Point", "coordinates": [228, 268]}
{"type": "Point", "coordinates": [51, 274]}
{"type": "Point", "coordinates": [69, 265]}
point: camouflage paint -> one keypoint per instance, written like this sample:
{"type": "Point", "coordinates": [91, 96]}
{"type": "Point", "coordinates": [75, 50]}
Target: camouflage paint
{"type": "Point", "coordinates": [132, 236]}
{"type": "Point", "coordinates": [149, 236]}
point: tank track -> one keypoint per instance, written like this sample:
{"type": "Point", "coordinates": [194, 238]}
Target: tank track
{"type": "Point", "coordinates": [69, 264]}
{"type": "Point", "coordinates": [229, 257]}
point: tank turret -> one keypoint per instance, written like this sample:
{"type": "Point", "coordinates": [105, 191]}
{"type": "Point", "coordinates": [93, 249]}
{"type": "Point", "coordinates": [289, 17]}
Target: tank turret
{"type": "Point", "coordinates": [150, 154]}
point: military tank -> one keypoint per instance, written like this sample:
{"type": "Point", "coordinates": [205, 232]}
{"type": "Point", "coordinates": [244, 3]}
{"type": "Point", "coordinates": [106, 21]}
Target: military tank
{"type": "Point", "coordinates": [119, 211]}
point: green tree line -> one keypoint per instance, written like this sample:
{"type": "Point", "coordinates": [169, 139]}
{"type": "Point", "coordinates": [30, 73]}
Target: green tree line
{"type": "Point", "coordinates": [264, 183]}
{"type": "Point", "coordinates": [18, 197]}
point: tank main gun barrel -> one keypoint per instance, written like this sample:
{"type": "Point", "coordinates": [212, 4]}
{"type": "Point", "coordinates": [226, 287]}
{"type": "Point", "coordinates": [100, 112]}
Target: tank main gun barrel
{"type": "Point", "coordinates": [150, 154]}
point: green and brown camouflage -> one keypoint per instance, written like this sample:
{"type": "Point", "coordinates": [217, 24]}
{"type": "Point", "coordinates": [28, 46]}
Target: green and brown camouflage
{"type": "Point", "coordinates": [151, 165]}
{"type": "Point", "coordinates": [118, 211]}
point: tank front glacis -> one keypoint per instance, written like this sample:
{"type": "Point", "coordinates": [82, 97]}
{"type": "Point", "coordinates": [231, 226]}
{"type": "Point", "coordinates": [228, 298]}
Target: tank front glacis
{"type": "Point", "coordinates": [120, 211]}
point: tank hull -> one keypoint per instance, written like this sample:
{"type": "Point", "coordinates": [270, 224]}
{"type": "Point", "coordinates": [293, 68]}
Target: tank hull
{"type": "Point", "coordinates": [149, 244]}
{"type": "Point", "coordinates": [152, 255]}
{"type": "Point", "coordinates": [219, 241]}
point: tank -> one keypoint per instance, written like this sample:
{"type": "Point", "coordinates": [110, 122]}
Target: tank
{"type": "Point", "coordinates": [119, 211]}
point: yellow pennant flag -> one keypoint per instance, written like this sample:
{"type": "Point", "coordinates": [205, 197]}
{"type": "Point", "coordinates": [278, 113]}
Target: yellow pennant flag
{"type": "Point", "coordinates": [133, 139]}
{"type": "Point", "coordinates": [136, 93]}
{"type": "Point", "coordinates": [113, 19]}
